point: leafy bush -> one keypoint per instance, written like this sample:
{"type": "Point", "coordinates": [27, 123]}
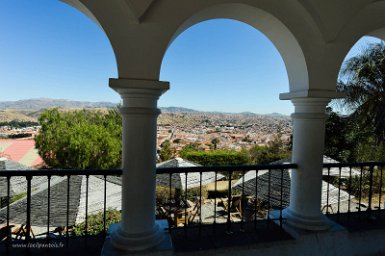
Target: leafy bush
{"type": "Point", "coordinates": [95, 223]}
{"type": "Point", "coordinates": [163, 194]}
{"type": "Point", "coordinates": [216, 157]}
{"type": "Point", "coordinates": [360, 185]}
{"type": "Point", "coordinates": [194, 193]}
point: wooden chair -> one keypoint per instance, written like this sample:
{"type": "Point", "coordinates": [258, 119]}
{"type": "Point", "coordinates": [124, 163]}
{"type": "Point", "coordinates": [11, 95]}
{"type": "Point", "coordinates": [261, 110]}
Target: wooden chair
{"type": "Point", "coordinates": [21, 232]}
{"type": "Point", "coordinates": [185, 216]}
{"type": "Point", "coordinates": [326, 207]}
{"type": "Point", "coordinates": [62, 230]}
{"type": "Point", "coordinates": [234, 206]}
{"type": "Point", "coordinates": [4, 231]}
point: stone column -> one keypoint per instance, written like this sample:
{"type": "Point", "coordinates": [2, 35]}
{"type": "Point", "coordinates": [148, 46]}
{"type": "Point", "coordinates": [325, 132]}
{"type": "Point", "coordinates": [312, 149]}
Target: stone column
{"type": "Point", "coordinates": [138, 230]}
{"type": "Point", "coordinates": [306, 181]}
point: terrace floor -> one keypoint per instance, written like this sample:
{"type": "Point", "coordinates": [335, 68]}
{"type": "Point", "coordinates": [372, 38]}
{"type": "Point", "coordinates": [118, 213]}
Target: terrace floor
{"type": "Point", "coordinates": [204, 238]}
{"type": "Point", "coordinates": [360, 221]}
{"type": "Point", "coordinates": [189, 240]}
{"type": "Point", "coordinates": [73, 246]}
{"type": "Point", "coordinates": [217, 236]}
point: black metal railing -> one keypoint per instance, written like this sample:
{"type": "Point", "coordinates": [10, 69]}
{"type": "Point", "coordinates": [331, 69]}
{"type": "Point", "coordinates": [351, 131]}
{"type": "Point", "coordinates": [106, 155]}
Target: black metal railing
{"type": "Point", "coordinates": [224, 199]}
{"type": "Point", "coordinates": [191, 197]}
{"type": "Point", "coordinates": [223, 195]}
{"type": "Point", "coordinates": [354, 192]}
{"type": "Point", "coordinates": [51, 202]}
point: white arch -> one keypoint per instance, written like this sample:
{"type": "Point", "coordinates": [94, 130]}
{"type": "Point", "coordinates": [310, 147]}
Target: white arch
{"type": "Point", "coordinates": [80, 7]}
{"type": "Point", "coordinates": [274, 29]}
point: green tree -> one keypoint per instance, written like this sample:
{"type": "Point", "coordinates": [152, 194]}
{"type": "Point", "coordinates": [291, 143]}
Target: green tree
{"type": "Point", "coordinates": [338, 144]}
{"type": "Point", "coordinates": [363, 79]}
{"type": "Point", "coordinates": [166, 152]}
{"type": "Point", "coordinates": [80, 139]}
{"type": "Point", "coordinates": [215, 142]}
{"type": "Point", "coordinates": [276, 149]}
{"type": "Point", "coordinates": [188, 148]}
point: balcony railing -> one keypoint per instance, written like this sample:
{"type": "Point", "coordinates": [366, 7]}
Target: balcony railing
{"type": "Point", "coordinates": [56, 200]}
{"type": "Point", "coordinates": [41, 207]}
{"type": "Point", "coordinates": [243, 193]}
{"type": "Point", "coordinates": [210, 207]}
{"type": "Point", "coordinates": [357, 202]}
{"type": "Point", "coordinates": [197, 201]}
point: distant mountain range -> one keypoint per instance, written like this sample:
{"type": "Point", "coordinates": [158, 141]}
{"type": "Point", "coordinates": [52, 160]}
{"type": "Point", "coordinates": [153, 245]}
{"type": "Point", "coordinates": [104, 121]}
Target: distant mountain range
{"type": "Point", "coordinates": [34, 105]}
{"type": "Point", "coordinates": [42, 103]}
{"type": "Point", "coordinates": [177, 110]}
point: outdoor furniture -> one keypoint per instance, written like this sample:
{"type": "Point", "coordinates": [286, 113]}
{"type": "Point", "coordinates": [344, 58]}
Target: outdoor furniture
{"type": "Point", "coordinates": [21, 232]}
{"type": "Point", "coordinates": [4, 231]}
{"type": "Point", "coordinates": [233, 206]}
{"type": "Point", "coordinates": [327, 206]}
{"type": "Point", "coordinates": [185, 216]}
{"type": "Point", "coordinates": [61, 230]}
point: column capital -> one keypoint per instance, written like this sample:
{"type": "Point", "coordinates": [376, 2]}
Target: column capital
{"type": "Point", "coordinates": [310, 108]}
{"type": "Point", "coordinates": [139, 93]}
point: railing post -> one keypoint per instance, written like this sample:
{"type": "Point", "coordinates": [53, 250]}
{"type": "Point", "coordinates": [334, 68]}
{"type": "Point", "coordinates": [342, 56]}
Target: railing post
{"type": "Point", "coordinates": [228, 229]}
{"type": "Point", "coordinates": [371, 170]}
{"type": "Point", "coordinates": [105, 205]}
{"type": "Point", "coordinates": [48, 204]}
{"type": "Point", "coordinates": [380, 191]}
{"type": "Point", "coordinates": [68, 209]}
{"type": "Point", "coordinates": [28, 226]}
{"type": "Point", "coordinates": [8, 202]}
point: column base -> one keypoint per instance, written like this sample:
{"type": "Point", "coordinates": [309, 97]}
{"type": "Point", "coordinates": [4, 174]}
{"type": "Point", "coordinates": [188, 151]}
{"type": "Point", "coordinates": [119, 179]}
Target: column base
{"type": "Point", "coordinates": [296, 220]}
{"type": "Point", "coordinates": [157, 242]}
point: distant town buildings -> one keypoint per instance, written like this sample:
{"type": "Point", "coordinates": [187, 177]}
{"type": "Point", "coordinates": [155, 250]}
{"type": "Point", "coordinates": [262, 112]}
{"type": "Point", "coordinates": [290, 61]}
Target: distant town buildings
{"type": "Point", "coordinates": [233, 131]}
{"type": "Point", "coordinates": [230, 131]}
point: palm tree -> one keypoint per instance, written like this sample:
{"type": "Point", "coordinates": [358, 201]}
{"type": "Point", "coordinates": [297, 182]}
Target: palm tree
{"type": "Point", "coordinates": [363, 79]}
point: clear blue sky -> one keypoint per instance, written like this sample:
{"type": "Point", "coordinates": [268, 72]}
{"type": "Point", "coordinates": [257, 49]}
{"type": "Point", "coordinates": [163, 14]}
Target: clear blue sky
{"type": "Point", "coordinates": [48, 49]}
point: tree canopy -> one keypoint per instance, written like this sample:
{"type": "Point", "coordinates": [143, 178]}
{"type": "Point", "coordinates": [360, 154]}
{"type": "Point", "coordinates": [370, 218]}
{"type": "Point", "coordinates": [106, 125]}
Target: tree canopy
{"type": "Point", "coordinates": [363, 79]}
{"type": "Point", "coordinates": [80, 139]}
{"type": "Point", "coordinates": [275, 150]}
{"type": "Point", "coordinates": [360, 135]}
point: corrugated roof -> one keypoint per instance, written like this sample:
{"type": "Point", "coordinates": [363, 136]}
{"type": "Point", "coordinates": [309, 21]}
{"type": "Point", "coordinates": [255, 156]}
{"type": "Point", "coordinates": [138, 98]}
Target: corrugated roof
{"type": "Point", "coordinates": [180, 180]}
{"type": "Point", "coordinates": [39, 204]}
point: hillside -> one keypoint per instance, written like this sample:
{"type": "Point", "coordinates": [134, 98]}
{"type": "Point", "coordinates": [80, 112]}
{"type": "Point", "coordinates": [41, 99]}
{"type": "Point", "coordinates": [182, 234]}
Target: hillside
{"type": "Point", "coordinates": [176, 110]}
{"type": "Point", "coordinates": [30, 110]}
{"type": "Point", "coordinates": [10, 115]}
{"type": "Point", "coordinates": [43, 103]}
